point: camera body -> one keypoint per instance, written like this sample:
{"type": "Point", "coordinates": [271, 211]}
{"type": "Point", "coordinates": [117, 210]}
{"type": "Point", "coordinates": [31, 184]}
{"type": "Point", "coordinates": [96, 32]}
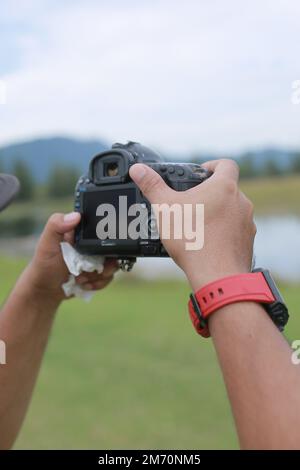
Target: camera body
{"type": "Point", "coordinates": [106, 183]}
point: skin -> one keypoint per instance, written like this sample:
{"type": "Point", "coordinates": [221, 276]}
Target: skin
{"type": "Point", "coordinates": [27, 317]}
{"type": "Point", "coordinates": [263, 385]}
{"type": "Point", "coordinates": [253, 355]}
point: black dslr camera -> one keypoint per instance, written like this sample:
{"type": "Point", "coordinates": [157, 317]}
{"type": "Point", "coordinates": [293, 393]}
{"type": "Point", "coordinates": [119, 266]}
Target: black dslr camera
{"type": "Point", "coordinates": [105, 198]}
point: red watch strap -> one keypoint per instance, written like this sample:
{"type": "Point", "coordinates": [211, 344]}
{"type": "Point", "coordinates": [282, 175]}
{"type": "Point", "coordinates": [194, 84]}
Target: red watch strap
{"type": "Point", "coordinates": [238, 288]}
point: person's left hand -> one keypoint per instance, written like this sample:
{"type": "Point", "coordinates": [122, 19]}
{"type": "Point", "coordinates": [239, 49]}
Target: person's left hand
{"type": "Point", "coordinates": [47, 270]}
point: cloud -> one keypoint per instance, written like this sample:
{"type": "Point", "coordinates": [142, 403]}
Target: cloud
{"type": "Point", "coordinates": [177, 75]}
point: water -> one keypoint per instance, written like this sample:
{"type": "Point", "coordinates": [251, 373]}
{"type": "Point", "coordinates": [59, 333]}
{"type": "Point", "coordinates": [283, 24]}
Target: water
{"type": "Point", "coordinates": [277, 247]}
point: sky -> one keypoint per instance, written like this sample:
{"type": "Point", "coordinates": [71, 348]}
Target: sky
{"type": "Point", "coordinates": [181, 76]}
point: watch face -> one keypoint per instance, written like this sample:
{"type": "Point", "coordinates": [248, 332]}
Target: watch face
{"type": "Point", "coordinates": [9, 188]}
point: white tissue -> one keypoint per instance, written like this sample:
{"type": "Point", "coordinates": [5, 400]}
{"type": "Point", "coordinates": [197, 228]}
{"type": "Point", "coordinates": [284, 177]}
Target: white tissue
{"type": "Point", "coordinates": [71, 288]}
{"type": "Point", "coordinates": [77, 264]}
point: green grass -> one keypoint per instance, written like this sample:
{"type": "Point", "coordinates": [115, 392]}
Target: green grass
{"type": "Point", "coordinates": [40, 208]}
{"type": "Point", "coordinates": [278, 195]}
{"type": "Point", "coordinates": [128, 371]}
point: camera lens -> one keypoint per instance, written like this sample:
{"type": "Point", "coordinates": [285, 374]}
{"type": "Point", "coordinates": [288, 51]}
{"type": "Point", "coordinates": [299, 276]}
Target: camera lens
{"type": "Point", "coordinates": [111, 169]}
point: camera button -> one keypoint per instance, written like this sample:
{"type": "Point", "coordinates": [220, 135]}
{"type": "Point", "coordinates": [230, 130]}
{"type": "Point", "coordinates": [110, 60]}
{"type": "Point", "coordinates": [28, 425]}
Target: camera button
{"type": "Point", "coordinates": [180, 171]}
{"type": "Point", "coordinates": [149, 249]}
{"type": "Point", "coordinates": [163, 168]}
{"type": "Point", "coordinates": [171, 170]}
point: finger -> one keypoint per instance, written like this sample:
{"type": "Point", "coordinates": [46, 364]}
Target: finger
{"type": "Point", "coordinates": [97, 285]}
{"type": "Point", "coordinates": [225, 168]}
{"type": "Point", "coordinates": [150, 183]}
{"type": "Point", "coordinates": [110, 267]}
{"type": "Point", "coordinates": [57, 226]}
{"type": "Point", "coordinates": [102, 284]}
{"type": "Point", "coordinates": [111, 262]}
{"type": "Point", "coordinates": [80, 280]}
{"type": "Point", "coordinates": [86, 278]}
{"type": "Point", "coordinates": [69, 237]}
{"type": "Point", "coordinates": [94, 277]}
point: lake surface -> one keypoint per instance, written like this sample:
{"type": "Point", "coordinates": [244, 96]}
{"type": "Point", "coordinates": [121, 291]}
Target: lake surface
{"type": "Point", "coordinates": [277, 247]}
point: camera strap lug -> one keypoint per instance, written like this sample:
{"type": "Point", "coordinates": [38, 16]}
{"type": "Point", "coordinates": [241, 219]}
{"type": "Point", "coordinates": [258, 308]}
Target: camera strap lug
{"type": "Point", "coordinates": [126, 265]}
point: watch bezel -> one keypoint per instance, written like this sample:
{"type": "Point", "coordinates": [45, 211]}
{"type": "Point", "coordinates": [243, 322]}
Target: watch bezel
{"type": "Point", "coordinates": [277, 310]}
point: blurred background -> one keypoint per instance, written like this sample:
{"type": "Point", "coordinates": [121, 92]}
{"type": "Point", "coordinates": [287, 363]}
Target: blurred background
{"type": "Point", "coordinates": [195, 80]}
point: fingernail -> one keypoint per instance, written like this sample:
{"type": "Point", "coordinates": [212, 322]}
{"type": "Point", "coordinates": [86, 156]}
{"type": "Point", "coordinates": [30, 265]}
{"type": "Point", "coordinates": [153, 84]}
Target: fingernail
{"type": "Point", "coordinates": [72, 217]}
{"type": "Point", "coordinates": [138, 172]}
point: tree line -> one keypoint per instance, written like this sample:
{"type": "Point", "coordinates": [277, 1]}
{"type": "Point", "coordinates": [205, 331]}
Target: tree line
{"type": "Point", "coordinates": [60, 183]}
{"type": "Point", "coordinates": [269, 168]}
{"type": "Point", "coordinates": [62, 179]}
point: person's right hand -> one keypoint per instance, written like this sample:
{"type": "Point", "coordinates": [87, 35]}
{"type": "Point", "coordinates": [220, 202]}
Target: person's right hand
{"type": "Point", "coordinates": [229, 227]}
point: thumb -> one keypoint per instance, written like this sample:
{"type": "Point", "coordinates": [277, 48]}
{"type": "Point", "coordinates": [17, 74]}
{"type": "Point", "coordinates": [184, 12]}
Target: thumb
{"type": "Point", "coordinates": [150, 183]}
{"type": "Point", "coordinates": [57, 226]}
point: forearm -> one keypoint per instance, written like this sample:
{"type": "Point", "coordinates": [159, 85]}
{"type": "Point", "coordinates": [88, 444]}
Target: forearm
{"type": "Point", "coordinates": [263, 385]}
{"type": "Point", "coordinates": [25, 324]}
{"type": "Point", "coordinates": [262, 382]}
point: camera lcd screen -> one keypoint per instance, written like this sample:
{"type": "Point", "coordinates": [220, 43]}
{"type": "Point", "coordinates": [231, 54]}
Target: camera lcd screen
{"type": "Point", "coordinates": [100, 205]}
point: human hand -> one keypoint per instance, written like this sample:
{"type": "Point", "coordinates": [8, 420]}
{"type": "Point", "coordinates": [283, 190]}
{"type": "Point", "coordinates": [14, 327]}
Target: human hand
{"type": "Point", "coordinates": [47, 271]}
{"type": "Point", "coordinates": [229, 229]}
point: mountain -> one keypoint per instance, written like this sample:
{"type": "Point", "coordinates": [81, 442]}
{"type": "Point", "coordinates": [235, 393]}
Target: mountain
{"type": "Point", "coordinates": [42, 154]}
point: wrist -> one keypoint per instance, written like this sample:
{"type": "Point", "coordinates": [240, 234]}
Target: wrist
{"type": "Point", "coordinates": [30, 284]}
{"type": "Point", "coordinates": [257, 286]}
{"type": "Point", "coordinates": [239, 319]}
{"type": "Point", "coordinates": [199, 278]}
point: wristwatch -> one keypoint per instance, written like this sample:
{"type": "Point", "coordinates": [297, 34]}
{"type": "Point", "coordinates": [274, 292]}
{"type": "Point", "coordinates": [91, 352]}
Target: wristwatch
{"type": "Point", "coordinates": [257, 286]}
